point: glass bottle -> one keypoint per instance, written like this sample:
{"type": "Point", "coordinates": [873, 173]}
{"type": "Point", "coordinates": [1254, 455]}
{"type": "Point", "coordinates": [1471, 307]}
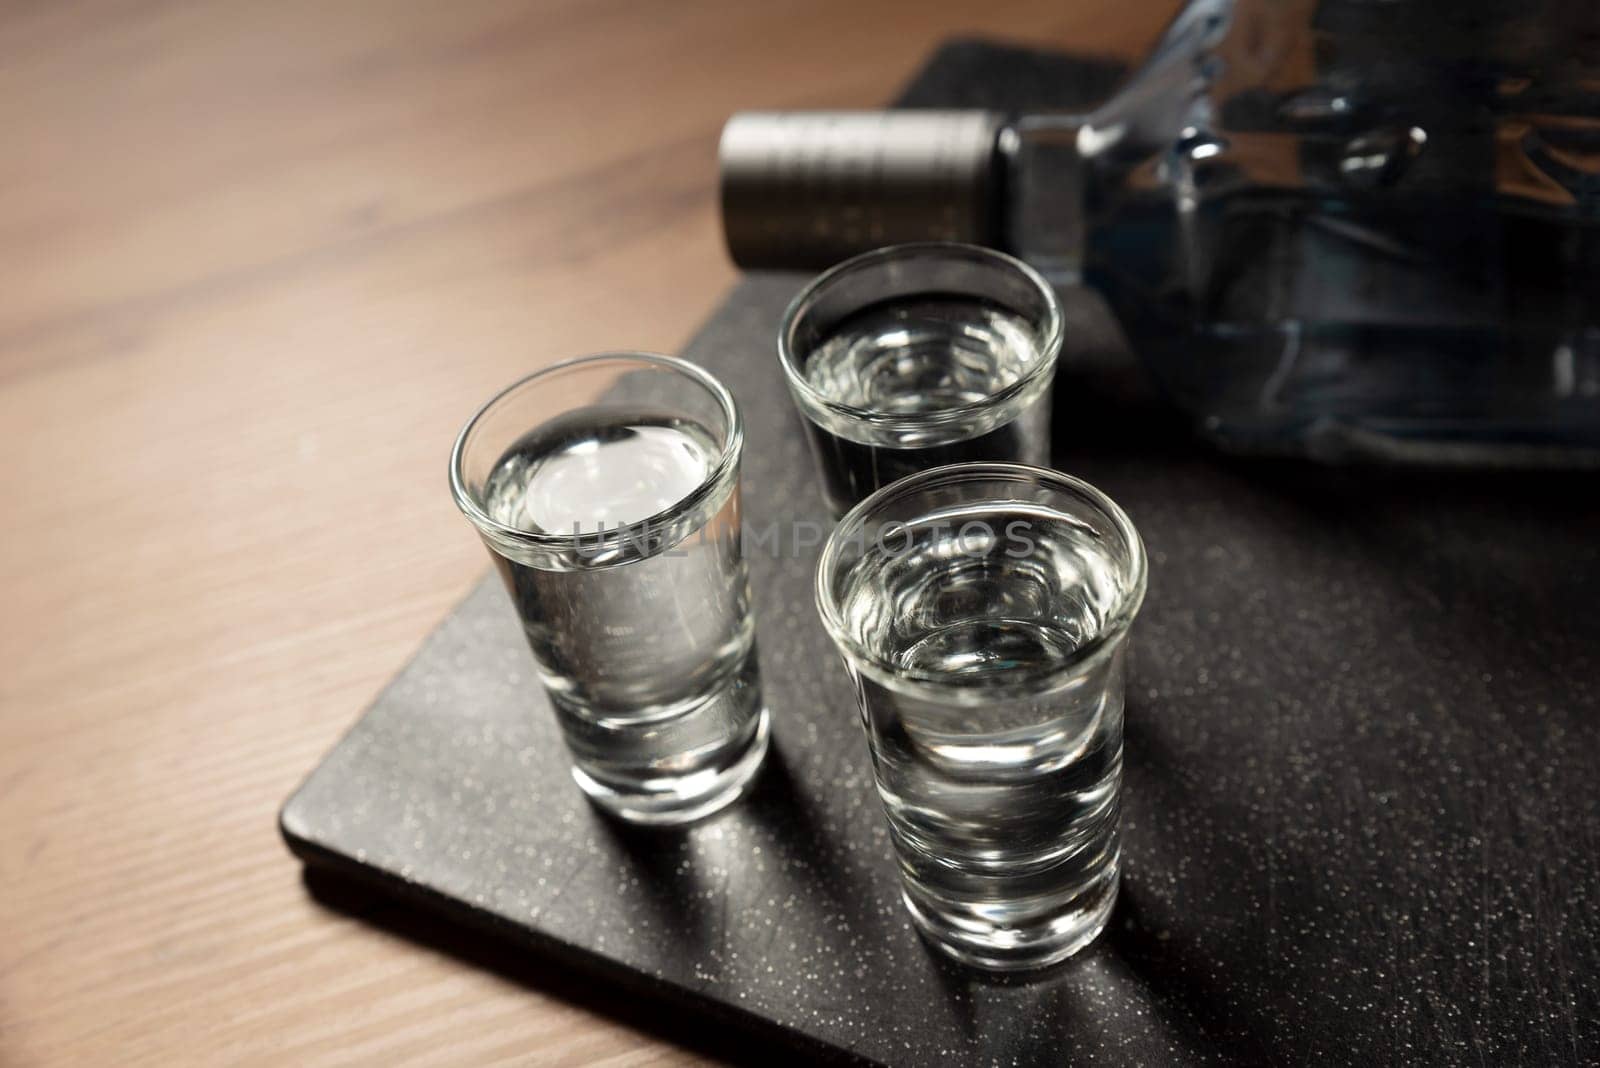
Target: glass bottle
{"type": "Point", "coordinates": [1338, 227]}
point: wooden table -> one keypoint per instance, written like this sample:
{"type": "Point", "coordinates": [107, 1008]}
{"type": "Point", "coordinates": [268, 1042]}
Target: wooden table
{"type": "Point", "coordinates": [260, 262]}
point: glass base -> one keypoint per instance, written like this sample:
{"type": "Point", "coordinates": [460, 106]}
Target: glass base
{"type": "Point", "coordinates": [684, 799]}
{"type": "Point", "coordinates": [1047, 940]}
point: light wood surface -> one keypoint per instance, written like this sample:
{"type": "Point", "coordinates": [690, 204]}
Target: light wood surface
{"type": "Point", "coordinates": [260, 260]}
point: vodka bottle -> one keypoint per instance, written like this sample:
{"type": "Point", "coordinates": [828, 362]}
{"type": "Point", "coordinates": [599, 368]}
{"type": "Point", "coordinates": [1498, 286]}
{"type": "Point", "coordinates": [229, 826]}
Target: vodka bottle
{"type": "Point", "coordinates": [1343, 227]}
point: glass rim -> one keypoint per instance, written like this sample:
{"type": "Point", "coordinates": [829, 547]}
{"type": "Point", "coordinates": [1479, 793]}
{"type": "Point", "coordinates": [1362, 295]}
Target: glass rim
{"type": "Point", "coordinates": [1117, 623]}
{"type": "Point", "coordinates": [1049, 347]}
{"type": "Point", "coordinates": [727, 459]}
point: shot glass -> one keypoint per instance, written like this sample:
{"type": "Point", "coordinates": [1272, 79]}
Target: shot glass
{"type": "Point", "coordinates": [982, 611]}
{"type": "Point", "coordinates": [916, 356]}
{"type": "Point", "coordinates": [606, 489]}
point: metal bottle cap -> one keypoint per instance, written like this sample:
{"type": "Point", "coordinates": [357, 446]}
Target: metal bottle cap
{"type": "Point", "coordinates": [807, 189]}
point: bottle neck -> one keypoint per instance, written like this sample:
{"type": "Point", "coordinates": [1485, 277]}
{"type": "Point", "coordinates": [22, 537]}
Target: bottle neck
{"type": "Point", "coordinates": [1045, 183]}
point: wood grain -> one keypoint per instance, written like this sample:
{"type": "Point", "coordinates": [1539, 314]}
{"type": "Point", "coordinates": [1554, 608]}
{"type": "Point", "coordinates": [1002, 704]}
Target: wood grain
{"type": "Point", "coordinates": [260, 261]}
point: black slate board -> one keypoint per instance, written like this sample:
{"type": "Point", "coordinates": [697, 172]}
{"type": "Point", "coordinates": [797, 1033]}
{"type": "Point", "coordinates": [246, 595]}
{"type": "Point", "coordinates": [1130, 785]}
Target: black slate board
{"type": "Point", "coordinates": [1362, 782]}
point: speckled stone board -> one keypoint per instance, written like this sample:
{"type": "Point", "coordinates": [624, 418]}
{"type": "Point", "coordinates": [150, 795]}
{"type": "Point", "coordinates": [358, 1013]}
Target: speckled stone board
{"type": "Point", "coordinates": [1362, 785]}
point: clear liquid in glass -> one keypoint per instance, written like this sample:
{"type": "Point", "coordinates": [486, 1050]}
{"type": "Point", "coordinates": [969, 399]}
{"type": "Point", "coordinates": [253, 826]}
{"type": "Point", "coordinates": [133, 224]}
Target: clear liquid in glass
{"type": "Point", "coordinates": [1002, 800]}
{"type": "Point", "coordinates": [925, 355]}
{"type": "Point", "coordinates": [643, 638]}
